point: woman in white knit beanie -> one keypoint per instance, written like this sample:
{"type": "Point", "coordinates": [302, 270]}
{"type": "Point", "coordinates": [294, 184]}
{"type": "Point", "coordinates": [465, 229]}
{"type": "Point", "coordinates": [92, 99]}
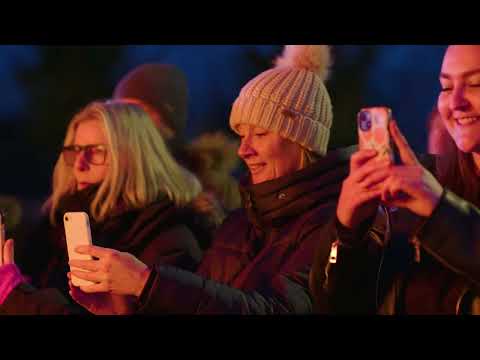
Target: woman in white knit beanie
{"type": "Point", "coordinates": [261, 256]}
{"type": "Point", "coordinates": [284, 115]}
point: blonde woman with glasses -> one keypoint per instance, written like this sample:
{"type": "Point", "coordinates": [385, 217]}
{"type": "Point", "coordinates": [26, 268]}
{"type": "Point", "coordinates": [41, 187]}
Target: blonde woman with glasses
{"type": "Point", "coordinates": [115, 166]}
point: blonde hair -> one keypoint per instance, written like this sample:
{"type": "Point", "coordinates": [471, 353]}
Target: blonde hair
{"type": "Point", "coordinates": [308, 158]}
{"type": "Point", "coordinates": [141, 167]}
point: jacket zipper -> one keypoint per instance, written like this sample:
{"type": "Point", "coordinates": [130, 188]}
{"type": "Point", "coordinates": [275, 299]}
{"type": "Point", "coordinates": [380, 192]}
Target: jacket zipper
{"type": "Point", "coordinates": [385, 243]}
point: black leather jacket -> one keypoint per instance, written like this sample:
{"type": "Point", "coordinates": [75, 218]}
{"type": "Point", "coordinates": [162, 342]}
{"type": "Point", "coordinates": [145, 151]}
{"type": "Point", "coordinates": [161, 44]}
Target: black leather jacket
{"type": "Point", "coordinates": [403, 264]}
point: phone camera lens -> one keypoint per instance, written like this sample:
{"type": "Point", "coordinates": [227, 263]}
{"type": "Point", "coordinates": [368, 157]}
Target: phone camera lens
{"type": "Point", "coordinates": [364, 121]}
{"type": "Point", "coordinates": [66, 218]}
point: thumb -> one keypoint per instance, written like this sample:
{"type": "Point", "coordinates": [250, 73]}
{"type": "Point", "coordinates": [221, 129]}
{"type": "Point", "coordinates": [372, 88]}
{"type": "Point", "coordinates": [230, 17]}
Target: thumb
{"type": "Point", "coordinates": [8, 252]}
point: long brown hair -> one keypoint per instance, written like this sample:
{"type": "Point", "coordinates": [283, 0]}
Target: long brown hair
{"type": "Point", "coordinates": [457, 172]}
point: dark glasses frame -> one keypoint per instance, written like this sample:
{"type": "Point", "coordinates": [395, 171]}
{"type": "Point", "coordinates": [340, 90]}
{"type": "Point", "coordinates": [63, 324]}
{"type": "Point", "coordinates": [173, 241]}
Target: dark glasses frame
{"type": "Point", "coordinates": [95, 154]}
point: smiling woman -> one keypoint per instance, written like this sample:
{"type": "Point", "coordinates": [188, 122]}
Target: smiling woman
{"type": "Point", "coordinates": [459, 108]}
{"type": "Point", "coordinates": [406, 241]}
{"type": "Point", "coordinates": [267, 155]}
{"type": "Point", "coordinates": [261, 255]}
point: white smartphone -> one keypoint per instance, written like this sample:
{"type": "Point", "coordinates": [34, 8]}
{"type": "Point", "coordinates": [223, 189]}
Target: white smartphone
{"type": "Point", "coordinates": [2, 235]}
{"type": "Point", "coordinates": [77, 232]}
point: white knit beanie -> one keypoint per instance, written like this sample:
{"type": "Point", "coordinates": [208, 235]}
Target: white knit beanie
{"type": "Point", "coordinates": [290, 99]}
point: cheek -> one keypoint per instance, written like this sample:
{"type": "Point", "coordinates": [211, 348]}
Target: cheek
{"type": "Point", "coordinates": [290, 158]}
{"type": "Point", "coordinates": [102, 173]}
{"type": "Point", "coordinates": [442, 105]}
{"type": "Point", "coordinates": [474, 99]}
{"type": "Point", "coordinates": [98, 173]}
{"type": "Point", "coordinates": [444, 111]}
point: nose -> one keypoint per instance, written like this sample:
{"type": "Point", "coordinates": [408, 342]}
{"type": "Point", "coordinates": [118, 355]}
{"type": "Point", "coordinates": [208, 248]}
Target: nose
{"type": "Point", "coordinates": [81, 163]}
{"type": "Point", "coordinates": [245, 149]}
{"type": "Point", "coordinates": [458, 100]}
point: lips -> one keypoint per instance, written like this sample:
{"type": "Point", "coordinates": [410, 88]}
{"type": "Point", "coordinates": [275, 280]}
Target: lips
{"type": "Point", "coordinates": [467, 120]}
{"type": "Point", "coordinates": [83, 185]}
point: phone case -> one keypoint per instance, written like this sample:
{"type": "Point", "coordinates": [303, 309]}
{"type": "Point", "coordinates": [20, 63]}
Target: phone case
{"type": "Point", "coordinates": [373, 131]}
{"type": "Point", "coordinates": [77, 232]}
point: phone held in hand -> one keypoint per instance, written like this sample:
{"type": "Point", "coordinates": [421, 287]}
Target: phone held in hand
{"type": "Point", "coordinates": [373, 133]}
{"type": "Point", "coordinates": [77, 232]}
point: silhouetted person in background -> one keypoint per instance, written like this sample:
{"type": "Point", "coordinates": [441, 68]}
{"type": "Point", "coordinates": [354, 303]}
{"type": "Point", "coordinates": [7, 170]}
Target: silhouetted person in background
{"type": "Point", "coordinates": [162, 90]}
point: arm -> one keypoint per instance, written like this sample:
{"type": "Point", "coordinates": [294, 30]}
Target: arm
{"type": "Point", "coordinates": [348, 284]}
{"type": "Point", "coordinates": [452, 236]}
{"type": "Point", "coordinates": [345, 285]}
{"type": "Point", "coordinates": [176, 291]}
{"type": "Point", "coordinates": [176, 246]}
{"type": "Point", "coordinates": [27, 300]}
{"type": "Point", "coordinates": [18, 297]}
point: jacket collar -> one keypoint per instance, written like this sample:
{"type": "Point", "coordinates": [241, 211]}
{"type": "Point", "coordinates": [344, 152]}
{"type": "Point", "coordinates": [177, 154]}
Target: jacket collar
{"type": "Point", "coordinates": [272, 203]}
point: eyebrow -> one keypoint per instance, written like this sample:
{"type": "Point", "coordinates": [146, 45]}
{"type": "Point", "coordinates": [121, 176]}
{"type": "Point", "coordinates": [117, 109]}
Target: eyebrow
{"type": "Point", "coordinates": [464, 74]}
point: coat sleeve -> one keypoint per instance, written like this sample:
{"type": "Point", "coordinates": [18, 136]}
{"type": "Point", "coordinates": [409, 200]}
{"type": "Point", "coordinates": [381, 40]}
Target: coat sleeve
{"type": "Point", "coordinates": [175, 246]}
{"type": "Point", "coordinates": [348, 284]}
{"type": "Point", "coordinates": [28, 300]}
{"type": "Point", "coordinates": [31, 255]}
{"type": "Point", "coordinates": [452, 236]}
{"type": "Point", "coordinates": [176, 291]}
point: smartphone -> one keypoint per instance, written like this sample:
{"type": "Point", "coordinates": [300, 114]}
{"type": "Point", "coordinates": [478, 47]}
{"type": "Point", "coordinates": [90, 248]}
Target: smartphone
{"type": "Point", "coordinates": [77, 232]}
{"type": "Point", "coordinates": [2, 235]}
{"type": "Point", "coordinates": [373, 133]}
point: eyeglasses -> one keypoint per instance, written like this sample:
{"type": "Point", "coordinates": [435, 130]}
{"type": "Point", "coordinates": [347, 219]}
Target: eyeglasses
{"type": "Point", "coordinates": [94, 154]}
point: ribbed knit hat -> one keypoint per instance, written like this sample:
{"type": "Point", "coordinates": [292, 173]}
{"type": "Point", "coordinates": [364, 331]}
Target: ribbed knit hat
{"type": "Point", "coordinates": [162, 88]}
{"type": "Point", "coordinates": [290, 99]}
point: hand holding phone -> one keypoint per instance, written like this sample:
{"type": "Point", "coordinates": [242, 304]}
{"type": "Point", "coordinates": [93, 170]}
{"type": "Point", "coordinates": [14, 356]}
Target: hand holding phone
{"type": "Point", "coordinates": [373, 133]}
{"type": "Point", "coordinates": [77, 232]}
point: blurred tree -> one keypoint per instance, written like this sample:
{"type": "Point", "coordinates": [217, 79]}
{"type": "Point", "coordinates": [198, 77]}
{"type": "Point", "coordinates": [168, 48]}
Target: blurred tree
{"type": "Point", "coordinates": [64, 80]}
{"type": "Point", "coordinates": [347, 87]}
{"type": "Point", "coordinates": [260, 60]}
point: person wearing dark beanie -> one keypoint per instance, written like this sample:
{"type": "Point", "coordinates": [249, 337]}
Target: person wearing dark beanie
{"type": "Point", "coordinates": [162, 90]}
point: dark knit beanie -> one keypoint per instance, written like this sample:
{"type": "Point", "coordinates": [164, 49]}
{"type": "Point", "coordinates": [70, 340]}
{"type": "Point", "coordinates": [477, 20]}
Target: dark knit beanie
{"type": "Point", "coordinates": [162, 88]}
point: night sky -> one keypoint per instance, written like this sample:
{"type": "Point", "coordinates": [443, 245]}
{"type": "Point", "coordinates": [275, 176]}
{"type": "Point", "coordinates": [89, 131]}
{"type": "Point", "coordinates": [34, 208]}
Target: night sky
{"type": "Point", "coordinates": [401, 76]}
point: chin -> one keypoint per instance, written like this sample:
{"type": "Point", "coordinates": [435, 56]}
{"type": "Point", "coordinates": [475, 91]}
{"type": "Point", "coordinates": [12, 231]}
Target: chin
{"type": "Point", "coordinates": [258, 180]}
{"type": "Point", "coordinates": [468, 147]}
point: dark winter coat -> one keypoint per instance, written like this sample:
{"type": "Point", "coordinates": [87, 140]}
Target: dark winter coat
{"type": "Point", "coordinates": [159, 233]}
{"type": "Point", "coordinates": [378, 269]}
{"type": "Point", "coordinates": [260, 260]}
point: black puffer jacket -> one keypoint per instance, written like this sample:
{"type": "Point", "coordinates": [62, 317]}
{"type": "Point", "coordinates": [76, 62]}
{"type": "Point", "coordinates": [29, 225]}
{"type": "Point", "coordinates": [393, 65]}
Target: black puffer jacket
{"type": "Point", "coordinates": [260, 260]}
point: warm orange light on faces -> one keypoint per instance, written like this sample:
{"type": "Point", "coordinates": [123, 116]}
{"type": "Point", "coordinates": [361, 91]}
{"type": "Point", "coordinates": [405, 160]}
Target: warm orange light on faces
{"type": "Point", "coordinates": [459, 100]}
{"type": "Point", "coordinates": [89, 132]}
{"type": "Point", "coordinates": [267, 155]}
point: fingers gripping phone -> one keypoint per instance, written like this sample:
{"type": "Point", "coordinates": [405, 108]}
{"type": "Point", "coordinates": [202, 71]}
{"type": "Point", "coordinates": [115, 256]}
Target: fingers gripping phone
{"type": "Point", "coordinates": [373, 133]}
{"type": "Point", "coordinates": [77, 232]}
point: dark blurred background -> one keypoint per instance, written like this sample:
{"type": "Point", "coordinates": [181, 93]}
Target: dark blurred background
{"type": "Point", "coordinates": [44, 86]}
